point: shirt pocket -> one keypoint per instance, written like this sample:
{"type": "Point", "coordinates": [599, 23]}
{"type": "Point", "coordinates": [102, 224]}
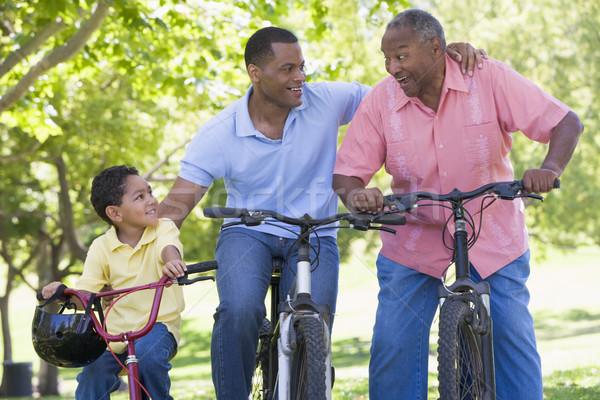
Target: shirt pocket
{"type": "Point", "coordinates": [403, 164]}
{"type": "Point", "coordinates": [482, 149]}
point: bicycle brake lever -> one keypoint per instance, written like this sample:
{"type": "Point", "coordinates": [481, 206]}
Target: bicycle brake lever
{"type": "Point", "coordinates": [383, 228]}
{"type": "Point", "coordinates": [533, 196]}
{"type": "Point", "coordinates": [184, 280]}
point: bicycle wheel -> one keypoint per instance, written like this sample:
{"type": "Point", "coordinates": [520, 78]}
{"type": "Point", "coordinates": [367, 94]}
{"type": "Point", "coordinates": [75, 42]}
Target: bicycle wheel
{"type": "Point", "coordinates": [308, 361]}
{"type": "Point", "coordinates": [262, 386]}
{"type": "Point", "coordinates": [460, 362]}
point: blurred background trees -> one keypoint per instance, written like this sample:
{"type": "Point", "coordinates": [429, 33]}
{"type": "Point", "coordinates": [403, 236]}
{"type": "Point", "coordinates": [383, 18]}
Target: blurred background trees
{"type": "Point", "coordinates": [85, 85]}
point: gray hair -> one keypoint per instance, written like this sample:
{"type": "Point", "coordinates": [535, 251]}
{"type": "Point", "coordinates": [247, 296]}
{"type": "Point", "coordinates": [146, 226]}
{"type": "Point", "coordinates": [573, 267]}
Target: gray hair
{"type": "Point", "coordinates": [425, 26]}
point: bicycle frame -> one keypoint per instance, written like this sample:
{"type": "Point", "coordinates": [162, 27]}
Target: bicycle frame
{"type": "Point", "coordinates": [129, 338]}
{"type": "Point", "coordinates": [475, 295]}
{"type": "Point", "coordinates": [299, 306]}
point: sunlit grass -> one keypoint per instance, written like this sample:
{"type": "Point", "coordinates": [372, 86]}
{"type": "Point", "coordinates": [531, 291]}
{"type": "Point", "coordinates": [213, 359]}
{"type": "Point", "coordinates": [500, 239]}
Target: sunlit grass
{"type": "Point", "coordinates": [565, 306]}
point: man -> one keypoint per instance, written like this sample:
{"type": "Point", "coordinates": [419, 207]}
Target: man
{"type": "Point", "coordinates": [436, 129]}
{"type": "Point", "coordinates": [275, 148]}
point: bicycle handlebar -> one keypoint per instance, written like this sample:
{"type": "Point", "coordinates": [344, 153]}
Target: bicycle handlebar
{"type": "Point", "coordinates": [158, 286]}
{"type": "Point", "coordinates": [257, 217]}
{"type": "Point", "coordinates": [503, 190]}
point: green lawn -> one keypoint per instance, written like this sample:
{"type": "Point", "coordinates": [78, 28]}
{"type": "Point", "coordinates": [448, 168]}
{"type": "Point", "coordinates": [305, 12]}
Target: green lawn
{"type": "Point", "coordinates": [565, 305]}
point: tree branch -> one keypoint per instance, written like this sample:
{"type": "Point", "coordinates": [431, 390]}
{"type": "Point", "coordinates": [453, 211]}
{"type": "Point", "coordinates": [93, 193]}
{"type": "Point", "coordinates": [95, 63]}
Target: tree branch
{"type": "Point", "coordinates": [165, 160]}
{"type": "Point", "coordinates": [31, 45]}
{"type": "Point", "coordinates": [55, 57]}
{"type": "Point", "coordinates": [15, 157]}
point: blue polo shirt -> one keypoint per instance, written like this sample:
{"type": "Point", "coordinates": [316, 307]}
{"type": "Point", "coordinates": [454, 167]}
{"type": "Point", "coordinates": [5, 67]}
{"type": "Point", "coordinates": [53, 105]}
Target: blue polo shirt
{"type": "Point", "coordinates": [291, 175]}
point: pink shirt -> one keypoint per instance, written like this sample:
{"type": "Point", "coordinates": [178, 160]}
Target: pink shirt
{"type": "Point", "coordinates": [464, 145]}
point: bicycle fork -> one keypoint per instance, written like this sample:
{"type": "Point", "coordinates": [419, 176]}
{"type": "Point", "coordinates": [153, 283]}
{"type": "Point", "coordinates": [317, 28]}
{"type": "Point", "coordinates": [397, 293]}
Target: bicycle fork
{"type": "Point", "coordinates": [286, 346]}
{"type": "Point", "coordinates": [302, 307]}
{"type": "Point", "coordinates": [475, 294]}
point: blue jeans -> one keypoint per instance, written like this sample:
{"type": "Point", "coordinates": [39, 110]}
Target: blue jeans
{"type": "Point", "coordinates": [243, 277]}
{"type": "Point", "coordinates": [407, 304]}
{"type": "Point", "coordinates": [100, 378]}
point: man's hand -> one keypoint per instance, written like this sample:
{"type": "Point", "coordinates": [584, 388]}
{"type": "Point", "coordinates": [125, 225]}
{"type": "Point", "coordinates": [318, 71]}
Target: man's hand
{"type": "Point", "coordinates": [467, 56]}
{"type": "Point", "coordinates": [369, 200]}
{"type": "Point", "coordinates": [539, 180]}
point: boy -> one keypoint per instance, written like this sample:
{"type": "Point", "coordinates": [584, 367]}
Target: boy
{"type": "Point", "coordinates": [137, 249]}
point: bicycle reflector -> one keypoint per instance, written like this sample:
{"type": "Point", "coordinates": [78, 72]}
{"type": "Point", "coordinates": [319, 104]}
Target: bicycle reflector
{"type": "Point", "coordinates": [65, 340]}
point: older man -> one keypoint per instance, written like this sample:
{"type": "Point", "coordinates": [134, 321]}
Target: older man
{"type": "Point", "coordinates": [436, 129]}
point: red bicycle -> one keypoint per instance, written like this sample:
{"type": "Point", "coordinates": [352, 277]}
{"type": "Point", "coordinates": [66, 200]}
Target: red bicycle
{"type": "Point", "coordinates": [75, 340]}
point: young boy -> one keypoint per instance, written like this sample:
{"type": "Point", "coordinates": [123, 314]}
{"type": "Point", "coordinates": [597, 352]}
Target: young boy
{"type": "Point", "coordinates": [137, 249]}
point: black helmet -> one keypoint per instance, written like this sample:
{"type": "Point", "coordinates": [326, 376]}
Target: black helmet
{"type": "Point", "coordinates": [65, 340]}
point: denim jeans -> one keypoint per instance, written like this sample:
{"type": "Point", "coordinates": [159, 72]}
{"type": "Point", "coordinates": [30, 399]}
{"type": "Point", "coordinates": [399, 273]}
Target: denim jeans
{"type": "Point", "coordinates": [100, 378]}
{"type": "Point", "coordinates": [243, 277]}
{"type": "Point", "coordinates": [407, 304]}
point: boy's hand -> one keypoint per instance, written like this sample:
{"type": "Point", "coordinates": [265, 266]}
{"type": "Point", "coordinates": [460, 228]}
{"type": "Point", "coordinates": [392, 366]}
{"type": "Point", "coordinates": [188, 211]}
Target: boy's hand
{"type": "Point", "coordinates": [107, 300]}
{"type": "Point", "coordinates": [174, 269]}
{"type": "Point", "coordinates": [49, 290]}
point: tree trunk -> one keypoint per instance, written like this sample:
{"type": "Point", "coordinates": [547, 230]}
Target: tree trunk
{"type": "Point", "coordinates": [6, 338]}
{"type": "Point", "coordinates": [48, 379]}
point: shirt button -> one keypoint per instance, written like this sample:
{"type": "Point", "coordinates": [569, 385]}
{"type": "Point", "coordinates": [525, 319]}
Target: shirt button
{"type": "Point", "coordinates": [441, 145]}
{"type": "Point", "coordinates": [436, 117]}
{"type": "Point", "coordinates": [445, 173]}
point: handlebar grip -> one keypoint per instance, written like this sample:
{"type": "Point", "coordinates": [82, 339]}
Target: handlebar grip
{"type": "Point", "coordinates": [202, 266]}
{"type": "Point", "coordinates": [40, 296]}
{"type": "Point", "coordinates": [390, 219]}
{"type": "Point", "coordinates": [223, 212]}
{"type": "Point", "coordinates": [556, 183]}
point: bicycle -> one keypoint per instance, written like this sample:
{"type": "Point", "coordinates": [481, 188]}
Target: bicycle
{"type": "Point", "coordinates": [91, 325]}
{"type": "Point", "coordinates": [293, 358]}
{"type": "Point", "coordinates": [465, 351]}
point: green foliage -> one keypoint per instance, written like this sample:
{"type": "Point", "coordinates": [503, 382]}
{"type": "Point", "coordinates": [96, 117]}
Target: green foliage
{"type": "Point", "coordinates": [553, 43]}
{"type": "Point", "coordinates": [133, 92]}
{"type": "Point", "coordinates": [156, 70]}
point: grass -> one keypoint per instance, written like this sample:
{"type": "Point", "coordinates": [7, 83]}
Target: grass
{"type": "Point", "coordinates": [565, 305]}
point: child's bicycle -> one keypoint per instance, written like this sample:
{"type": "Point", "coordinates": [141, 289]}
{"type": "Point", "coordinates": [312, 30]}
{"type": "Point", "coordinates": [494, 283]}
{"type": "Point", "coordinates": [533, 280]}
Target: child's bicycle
{"type": "Point", "coordinates": [465, 352]}
{"type": "Point", "coordinates": [75, 340]}
{"type": "Point", "coordinates": [293, 359]}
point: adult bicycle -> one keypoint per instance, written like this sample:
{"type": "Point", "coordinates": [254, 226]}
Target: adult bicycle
{"type": "Point", "coordinates": [293, 358]}
{"type": "Point", "coordinates": [75, 340]}
{"type": "Point", "coordinates": [465, 351]}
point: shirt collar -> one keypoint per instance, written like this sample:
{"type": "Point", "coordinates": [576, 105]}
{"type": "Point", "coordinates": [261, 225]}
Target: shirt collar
{"type": "Point", "coordinates": [114, 243]}
{"type": "Point", "coordinates": [243, 122]}
{"type": "Point", "coordinates": [453, 80]}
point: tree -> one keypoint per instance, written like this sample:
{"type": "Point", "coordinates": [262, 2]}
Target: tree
{"type": "Point", "coordinates": [86, 85]}
{"type": "Point", "coordinates": [133, 87]}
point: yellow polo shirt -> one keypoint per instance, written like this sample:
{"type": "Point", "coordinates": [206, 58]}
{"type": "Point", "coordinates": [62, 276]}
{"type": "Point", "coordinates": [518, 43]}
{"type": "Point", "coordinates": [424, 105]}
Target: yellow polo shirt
{"type": "Point", "coordinates": [111, 262]}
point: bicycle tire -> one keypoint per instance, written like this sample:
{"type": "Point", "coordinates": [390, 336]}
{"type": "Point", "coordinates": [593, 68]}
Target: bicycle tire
{"type": "Point", "coordinates": [460, 361]}
{"type": "Point", "coordinates": [308, 362]}
{"type": "Point", "coordinates": [262, 387]}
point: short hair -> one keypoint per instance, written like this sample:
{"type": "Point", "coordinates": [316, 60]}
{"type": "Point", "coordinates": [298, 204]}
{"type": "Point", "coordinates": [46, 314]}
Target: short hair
{"type": "Point", "coordinates": [259, 49]}
{"type": "Point", "coordinates": [108, 188]}
{"type": "Point", "coordinates": [425, 26]}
